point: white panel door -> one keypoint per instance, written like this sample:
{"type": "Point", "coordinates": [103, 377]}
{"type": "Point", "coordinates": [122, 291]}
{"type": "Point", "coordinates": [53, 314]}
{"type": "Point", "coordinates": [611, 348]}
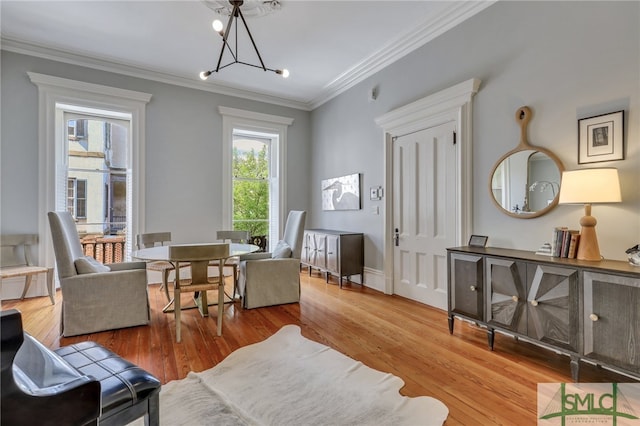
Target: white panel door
{"type": "Point", "coordinates": [424, 206]}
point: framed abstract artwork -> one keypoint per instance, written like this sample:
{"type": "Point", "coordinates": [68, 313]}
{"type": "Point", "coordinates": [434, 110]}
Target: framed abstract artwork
{"type": "Point", "coordinates": [341, 193]}
{"type": "Point", "coordinates": [601, 138]}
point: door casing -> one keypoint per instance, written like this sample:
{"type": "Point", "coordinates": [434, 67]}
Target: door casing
{"type": "Point", "coordinates": [452, 104]}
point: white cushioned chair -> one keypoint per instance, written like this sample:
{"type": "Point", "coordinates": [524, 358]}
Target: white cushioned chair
{"type": "Point", "coordinates": [95, 297]}
{"type": "Point", "coordinates": [267, 279]}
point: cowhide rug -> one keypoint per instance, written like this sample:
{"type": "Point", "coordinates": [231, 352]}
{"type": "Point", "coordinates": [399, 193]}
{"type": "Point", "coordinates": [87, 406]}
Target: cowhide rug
{"type": "Point", "coordinates": [290, 380]}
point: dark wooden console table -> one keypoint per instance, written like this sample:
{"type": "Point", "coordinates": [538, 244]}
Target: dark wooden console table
{"type": "Point", "coordinates": [334, 253]}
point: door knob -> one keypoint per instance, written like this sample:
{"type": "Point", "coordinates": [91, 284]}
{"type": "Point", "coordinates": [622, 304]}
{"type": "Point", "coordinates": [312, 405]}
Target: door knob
{"type": "Point", "coordinates": [397, 237]}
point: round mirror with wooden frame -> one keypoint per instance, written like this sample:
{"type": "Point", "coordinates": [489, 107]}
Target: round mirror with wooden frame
{"type": "Point", "coordinates": [525, 182]}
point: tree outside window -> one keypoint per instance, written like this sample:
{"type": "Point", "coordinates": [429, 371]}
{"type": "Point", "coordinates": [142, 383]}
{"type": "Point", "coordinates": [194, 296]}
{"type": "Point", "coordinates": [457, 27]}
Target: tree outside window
{"type": "Point", "coordinates": [251, 185]}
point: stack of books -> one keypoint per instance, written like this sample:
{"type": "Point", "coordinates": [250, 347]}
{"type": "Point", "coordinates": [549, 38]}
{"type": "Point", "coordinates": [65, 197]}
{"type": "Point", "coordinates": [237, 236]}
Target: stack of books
{"type": "Point", "coordinates": [564, 242]}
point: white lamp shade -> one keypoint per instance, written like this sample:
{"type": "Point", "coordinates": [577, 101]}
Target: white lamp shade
{"type": "Point", "coordinates": [589, 186]}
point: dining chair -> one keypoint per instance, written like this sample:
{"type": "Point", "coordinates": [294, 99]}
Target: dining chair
{"type": "Point", "coordinates": [153, 239]}
{"type": "Point", "coordinates": [198, 257]}
{"type": "Point", "coordinates": [242, 237]}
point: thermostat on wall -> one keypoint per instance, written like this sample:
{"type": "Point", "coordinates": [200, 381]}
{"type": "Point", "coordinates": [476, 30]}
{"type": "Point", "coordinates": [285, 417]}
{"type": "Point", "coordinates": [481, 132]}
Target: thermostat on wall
{"type": "Point", "coordinates": [375, 193]}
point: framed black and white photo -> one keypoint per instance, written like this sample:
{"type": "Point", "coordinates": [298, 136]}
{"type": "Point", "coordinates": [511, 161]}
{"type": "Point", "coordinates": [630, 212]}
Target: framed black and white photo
{"type": "Point", "coordinates": [478, 240]}
{"type": "Point", "coordinates": [601, 138]}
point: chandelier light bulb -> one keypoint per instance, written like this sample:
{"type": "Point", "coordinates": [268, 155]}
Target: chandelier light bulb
{"type": "Point", "coordinates": [283, 72]}
{"type": "Point", "coordinates": [205, 74]}
{"type": "Point", "coordinates": [217, 25]}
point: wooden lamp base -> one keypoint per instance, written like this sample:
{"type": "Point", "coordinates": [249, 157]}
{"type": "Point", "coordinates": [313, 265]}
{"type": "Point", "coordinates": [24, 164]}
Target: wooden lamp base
{"type": "Point", "coordinates": [588, 247]}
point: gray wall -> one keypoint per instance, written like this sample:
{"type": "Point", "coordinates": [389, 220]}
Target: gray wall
{"type": "Point", "coordinates": [183, 149]}
{"type": "Point", "coordinates": [565, 60]}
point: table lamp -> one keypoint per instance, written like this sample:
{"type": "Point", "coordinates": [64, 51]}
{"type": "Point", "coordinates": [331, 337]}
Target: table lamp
{"type": "Point", "coordinates": [589, 186]}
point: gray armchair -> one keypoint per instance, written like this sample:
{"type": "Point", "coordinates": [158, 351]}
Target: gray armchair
{"type": "Point", "coordinates": [95, 297]}
{"type": "Point", "coordinates": [267, 279]}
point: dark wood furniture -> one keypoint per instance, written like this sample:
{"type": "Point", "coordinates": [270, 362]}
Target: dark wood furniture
{"type": "Point", "coordinates": [334, 253]}
{"type": "Point", "coordinates": [586, 310]}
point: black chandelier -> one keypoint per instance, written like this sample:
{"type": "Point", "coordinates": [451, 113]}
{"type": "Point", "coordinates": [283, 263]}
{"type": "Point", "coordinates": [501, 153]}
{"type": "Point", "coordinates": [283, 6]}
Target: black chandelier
{"type": "Point", "coordinates": [233, 22]}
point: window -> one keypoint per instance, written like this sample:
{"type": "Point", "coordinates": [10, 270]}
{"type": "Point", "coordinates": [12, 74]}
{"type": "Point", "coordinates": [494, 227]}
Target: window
{"type": "Point", "coordinates": [251, 183]}
{"type": "Point", "coordinates": [76, 129]}
{"type": "Point", "coordinates": [77, 198]}
{"type": "Point", "coordinates": [60, 95]}
{"type": "Point", "coordinates": [269, 133]}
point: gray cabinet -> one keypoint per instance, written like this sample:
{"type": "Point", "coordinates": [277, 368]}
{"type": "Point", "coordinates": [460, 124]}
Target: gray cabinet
{"type": "Point", "coordinates": [313, 250]}
{"type": "Point", "coordinates": [466, 288]}
{"type": "Point", "coordinates": [586, 310]}
{"type": "Point", "coordinates": [612, 319]}
{"type": "Point", "coordinates": [507, 302]}
{"type": "Point", "coordinates": [536, 300]}
{"type": "Point", "coordinates": [335, 253]}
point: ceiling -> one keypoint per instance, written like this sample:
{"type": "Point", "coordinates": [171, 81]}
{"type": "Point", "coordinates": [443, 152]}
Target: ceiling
{"type": "Point", "coordinates": [328, 46]}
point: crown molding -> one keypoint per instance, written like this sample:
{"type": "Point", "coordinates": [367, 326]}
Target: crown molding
{"type": "Point", "coordinates": [453, 14]}
{"type": "Point", "coordinates": [83, 60]}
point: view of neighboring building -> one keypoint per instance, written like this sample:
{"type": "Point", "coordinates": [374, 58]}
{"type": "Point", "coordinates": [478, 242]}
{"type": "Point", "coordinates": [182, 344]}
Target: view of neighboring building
{"type": "Point", "coordinates": [97, 175]}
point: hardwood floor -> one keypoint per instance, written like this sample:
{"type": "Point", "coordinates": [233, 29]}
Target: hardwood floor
{"type": "Point", "coordinates": [388, 333]}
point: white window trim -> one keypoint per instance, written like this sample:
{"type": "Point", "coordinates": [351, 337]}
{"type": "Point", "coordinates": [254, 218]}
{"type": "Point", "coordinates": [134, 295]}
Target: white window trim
{"type": "Point", "coordinates": [264, 123]}
{"type": "Point", "coordinates": [55, 90]}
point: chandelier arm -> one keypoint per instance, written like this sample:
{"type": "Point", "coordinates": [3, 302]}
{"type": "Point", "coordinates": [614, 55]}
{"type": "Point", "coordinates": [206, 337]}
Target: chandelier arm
{"type": "Point", "coordinates": [224, 40]}
{"type": "Point", "coordinates": [253, 65]}
{"type": "Point", "coordinates": [235, 59]}
{"type": "Point", "coordinates": [251, 38]}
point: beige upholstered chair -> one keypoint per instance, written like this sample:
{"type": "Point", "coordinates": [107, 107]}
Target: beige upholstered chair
{"type": "Point", "coordinates": [95, 297]}
{"type": "Point", "coordinates": [232, 237]}
{"type": "Point", "coordinates": [15, 261]}
{"type": "Point", "coordinates": [153, 239]}
{"type": "Point", "coordinates": [267, 279]}
{"type": "Point", "coordinates": [198, 256]}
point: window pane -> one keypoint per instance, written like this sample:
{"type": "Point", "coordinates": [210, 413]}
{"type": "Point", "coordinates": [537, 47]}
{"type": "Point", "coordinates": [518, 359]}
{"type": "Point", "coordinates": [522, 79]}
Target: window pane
{"type": "Point", "coordinates": [81, 199]}
{"type": "Point", "coordinates": [251, 206]}
{"type": "Point", "coordinates": [81, 209]}
{"type": "Point", "coordinates": [250, 159]}
{"type": "Point", "coordinates": [98, 156]}
{"type": "Point", "coordinates": [82, 189]}
{"type": "Point", "coordinates": [251, 184]}
{"type": "Point", "coordinates": [71, 196]}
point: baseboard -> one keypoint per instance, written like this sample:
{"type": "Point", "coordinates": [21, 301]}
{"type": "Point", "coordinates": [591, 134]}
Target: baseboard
{"type": "Point", "coordinates": [373, 278]}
